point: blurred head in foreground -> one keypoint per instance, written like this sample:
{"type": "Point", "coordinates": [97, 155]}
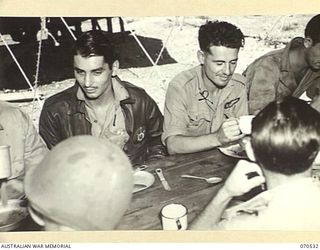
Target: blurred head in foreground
{"type": "Point", "coordinates": [84, 183]}
{"type": "Point", "coordinates": [286, 137]}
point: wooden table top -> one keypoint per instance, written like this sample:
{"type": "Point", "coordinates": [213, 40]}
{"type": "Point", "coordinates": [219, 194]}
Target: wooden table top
{"type": "Point", "coordinates": [144, 211]}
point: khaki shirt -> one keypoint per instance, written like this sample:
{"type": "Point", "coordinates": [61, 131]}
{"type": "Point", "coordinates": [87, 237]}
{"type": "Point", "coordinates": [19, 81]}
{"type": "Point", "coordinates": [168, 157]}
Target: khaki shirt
{"type": "Point", "coordinates": [191, 111]}
{"type": "Point", "coordinates": [113, 127]}
{"type": "Point", "coordinates": [294, 205]}
{"type": "Point", "coordinates": [26, 147]}
{"type": "Point", "coordinates": [271, 75]}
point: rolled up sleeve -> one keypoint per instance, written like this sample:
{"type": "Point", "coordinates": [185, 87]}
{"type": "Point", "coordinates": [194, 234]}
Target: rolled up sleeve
{"type": "Point", "coordinates": [175, 112]}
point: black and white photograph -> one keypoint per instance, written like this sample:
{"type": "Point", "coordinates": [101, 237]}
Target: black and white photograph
{"type": "Point", "coordinates": [168, 123]}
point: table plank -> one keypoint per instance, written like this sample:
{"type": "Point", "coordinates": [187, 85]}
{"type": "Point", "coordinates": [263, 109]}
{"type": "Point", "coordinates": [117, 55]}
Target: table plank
{"type": "Point", "coordinates": [144, 210]}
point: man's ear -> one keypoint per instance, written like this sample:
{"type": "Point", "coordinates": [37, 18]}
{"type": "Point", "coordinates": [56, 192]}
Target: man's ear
{"type": "Point", "coordinates": [115, 68]}
{"type": "Point", "coordinates": [200, 55]}
{"type": "Point", "coordinates": [308, 42]}
{"type": "Point", "coordinates": [37, 217]}
{"type": "Point", "coordinates": [249, 151]}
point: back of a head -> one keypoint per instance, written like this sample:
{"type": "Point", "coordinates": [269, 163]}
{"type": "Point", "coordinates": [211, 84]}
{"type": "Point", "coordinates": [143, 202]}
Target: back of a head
{"type": "Point", "coordinates": [286, 136]}
{"type": "Point", "coordinates": [96, 43]}
{"type": "Point", "coordinates": [84, 183]}
{"type": "Point", "coordinates": [312, 29]}
{"type": "Point", "coordinates": [220, 34]}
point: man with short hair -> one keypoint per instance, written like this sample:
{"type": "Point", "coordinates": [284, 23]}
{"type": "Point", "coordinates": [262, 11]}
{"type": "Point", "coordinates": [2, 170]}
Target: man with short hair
{"type": "Point", "coordinates": [285, 142]}
{"type": "Point", "coordinates": [202, 103]}
{"type": "Point", "coordinates": [290, 71]}
{"type": "Point", "coordinates": [84, 183]}
{"type": "Point", "coordinates": [102, 105]}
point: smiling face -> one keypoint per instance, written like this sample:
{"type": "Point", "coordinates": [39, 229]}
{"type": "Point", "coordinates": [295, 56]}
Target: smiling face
{"type": "Point", "coordinates": [219, 64]}
{"type": "Point", "coordinates": [93, 75]}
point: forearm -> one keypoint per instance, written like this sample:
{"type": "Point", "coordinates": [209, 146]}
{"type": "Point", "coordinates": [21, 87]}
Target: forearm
{"type": "Point", "coordinates": [155, 148]}
{"type": "Point", "coordinates": [212, 213]}
{"type": "Point", "coordinates": [180, 144]}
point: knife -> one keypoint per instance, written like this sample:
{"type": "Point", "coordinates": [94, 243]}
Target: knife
{"type": "Point", "coordinates": [165, 184]}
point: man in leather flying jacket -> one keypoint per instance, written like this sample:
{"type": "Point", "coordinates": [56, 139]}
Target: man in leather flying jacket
{"type": "Point", "coordinates": [102, 105]}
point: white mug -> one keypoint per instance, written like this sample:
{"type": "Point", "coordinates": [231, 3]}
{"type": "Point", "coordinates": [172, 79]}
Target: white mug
{"type": "Point", "coordinates": [174, 217]}
{"type": "Point", "coordinates": [245, 124]}
{"type": "Point", "coordinates": [5, 162]}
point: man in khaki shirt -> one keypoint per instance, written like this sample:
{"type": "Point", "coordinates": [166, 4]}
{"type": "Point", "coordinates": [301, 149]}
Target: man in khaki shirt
{"type": "Point", "coordinates": [283, 147]}
{"type": "Point", "coordinates": [290, 71]}
{"type": "Point", "coordinates": [202, 103]}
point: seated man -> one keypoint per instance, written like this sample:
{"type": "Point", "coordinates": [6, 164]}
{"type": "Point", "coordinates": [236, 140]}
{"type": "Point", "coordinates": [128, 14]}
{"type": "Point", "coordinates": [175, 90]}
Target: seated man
{"type": "Point", "coordinates": [285, 142]}
{"type": "Point", "coordinates": [84, 183]}
{"type": "Point", "coordinates": [102, 105]}
{"type": "Point", "coordinates": [290, 71]}
{"type": "Point", "coordinates": [202, 103]}
{"type": "Point", "coordinates": [26, 147]}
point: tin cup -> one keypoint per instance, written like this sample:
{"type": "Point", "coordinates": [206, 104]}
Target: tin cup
{"type": "Point", "coordinates": [174, 217]}
{"type": "Point", "coordinates": [5, 162]}
{"type": "Point", "coordinates": [245, 124]}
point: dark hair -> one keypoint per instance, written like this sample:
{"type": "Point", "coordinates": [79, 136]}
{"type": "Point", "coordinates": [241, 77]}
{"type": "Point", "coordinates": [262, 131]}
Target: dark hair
{"type": "Point", "coordinates": [96, 43]}
{"type": "Point", "coordinates": [220, 34]}
{"type": "Point", "coordinates": [286, 136]}
{"type": "Point", "coordinates": [312, 29]}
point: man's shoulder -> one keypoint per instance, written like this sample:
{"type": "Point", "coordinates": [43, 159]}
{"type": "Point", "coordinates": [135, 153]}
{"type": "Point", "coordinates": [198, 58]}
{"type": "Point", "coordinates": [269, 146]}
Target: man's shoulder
{"type": "Point", "coordinates": [67, 95]}
{"type": "Point", "coordinates": [238, 81]}
{"type": "Point", "coordinates": [270, 60]}
{"type": "Point", "coordinates": [12, 114]}
{"type": "Point", "coordinates": [185, 77]}
{"type": "Point", "coordinates": [9, 109]}
{"type": "Point", "coordinates": [134, 91]}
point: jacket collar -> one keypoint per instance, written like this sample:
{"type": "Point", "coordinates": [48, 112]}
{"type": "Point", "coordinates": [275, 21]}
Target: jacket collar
{"type": "Point", "coordinates": [294, 43]}
{"type": "Point", "coordinates": [121, 91]}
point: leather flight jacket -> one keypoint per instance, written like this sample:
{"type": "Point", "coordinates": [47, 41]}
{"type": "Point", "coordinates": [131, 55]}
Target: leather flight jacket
{"type": "Point", "coordinates": [64, 115]}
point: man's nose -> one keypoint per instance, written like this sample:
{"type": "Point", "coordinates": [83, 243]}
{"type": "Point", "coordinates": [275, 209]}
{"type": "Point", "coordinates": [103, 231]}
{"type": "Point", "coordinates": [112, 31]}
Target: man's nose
{"type": "Point", "coordinates": [226, 69]}
{"type": "Point", "coordinates": [87, 80]}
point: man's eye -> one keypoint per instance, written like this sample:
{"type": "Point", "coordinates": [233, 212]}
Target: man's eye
{"type": "Point", "coordinates": [219, 63]}
{"type": "Point", "coordinates": [79, 72]}
{"type": "Point", "coordinates": [97, 72]}
{"type": "Point", "coordinates": [233, 62]}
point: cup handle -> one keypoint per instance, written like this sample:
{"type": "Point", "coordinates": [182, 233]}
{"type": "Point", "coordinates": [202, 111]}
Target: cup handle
{"type": "Point", "coordinates": [178, 224]}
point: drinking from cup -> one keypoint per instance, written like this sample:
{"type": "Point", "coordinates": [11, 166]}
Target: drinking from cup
{"type": "Point", "coordinates": [5, 162]}
{"type": "Point", "coordinates": [174, 217]}
{"type": "Point", "coordinates": [245, 123]}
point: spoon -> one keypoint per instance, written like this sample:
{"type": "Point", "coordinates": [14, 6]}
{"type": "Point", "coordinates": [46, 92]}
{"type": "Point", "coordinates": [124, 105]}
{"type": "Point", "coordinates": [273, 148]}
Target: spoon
{"type": "Point", "coordinates": [211, 180]}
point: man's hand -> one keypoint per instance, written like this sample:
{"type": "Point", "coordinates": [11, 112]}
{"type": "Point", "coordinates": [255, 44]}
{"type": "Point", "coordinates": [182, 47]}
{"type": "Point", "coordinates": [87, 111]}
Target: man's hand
{"type": "Point", "coordinates": [229, 131]}
{"type": "Point", "coordinates": [238, 182]}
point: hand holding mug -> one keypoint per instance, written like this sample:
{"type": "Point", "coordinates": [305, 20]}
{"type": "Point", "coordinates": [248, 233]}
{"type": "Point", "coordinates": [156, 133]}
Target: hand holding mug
{"type": "Point", "coordinates": [229, 131]}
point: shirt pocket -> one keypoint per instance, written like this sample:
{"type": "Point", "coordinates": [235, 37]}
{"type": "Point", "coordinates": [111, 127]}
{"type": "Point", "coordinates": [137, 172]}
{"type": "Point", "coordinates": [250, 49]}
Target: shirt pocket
{"type": "Point", "coordinates": [198, 119]}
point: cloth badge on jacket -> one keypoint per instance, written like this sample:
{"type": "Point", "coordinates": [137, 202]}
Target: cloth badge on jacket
{"type": "Point", "coordinates": [231, 103]}
{"type": "Point", "coordinates": [139, 135]}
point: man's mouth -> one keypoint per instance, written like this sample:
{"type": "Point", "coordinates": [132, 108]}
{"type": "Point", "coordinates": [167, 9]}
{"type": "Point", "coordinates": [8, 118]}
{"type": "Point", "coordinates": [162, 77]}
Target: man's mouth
{"type": "Point", "coordinates": [224, 78]}
{"type": "Point", "coordinates": [90, 90]}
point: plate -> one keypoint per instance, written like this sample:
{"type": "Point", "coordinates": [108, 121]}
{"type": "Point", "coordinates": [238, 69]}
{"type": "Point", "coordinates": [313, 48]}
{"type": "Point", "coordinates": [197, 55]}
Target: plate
{"type": "Point", "coordinates": [234, 150]}
{"type": "Point", "coordinates": [142, 180]}
{"type": "Point", "coordinates": [12, 215]}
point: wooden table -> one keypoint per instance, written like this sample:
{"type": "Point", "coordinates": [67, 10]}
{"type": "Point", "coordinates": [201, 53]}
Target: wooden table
{"type": "Point", "coordinates": [144, 211]}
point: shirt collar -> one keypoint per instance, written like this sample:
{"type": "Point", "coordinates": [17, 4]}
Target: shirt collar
{"type": "Point", "coordinates": [120, 93]}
